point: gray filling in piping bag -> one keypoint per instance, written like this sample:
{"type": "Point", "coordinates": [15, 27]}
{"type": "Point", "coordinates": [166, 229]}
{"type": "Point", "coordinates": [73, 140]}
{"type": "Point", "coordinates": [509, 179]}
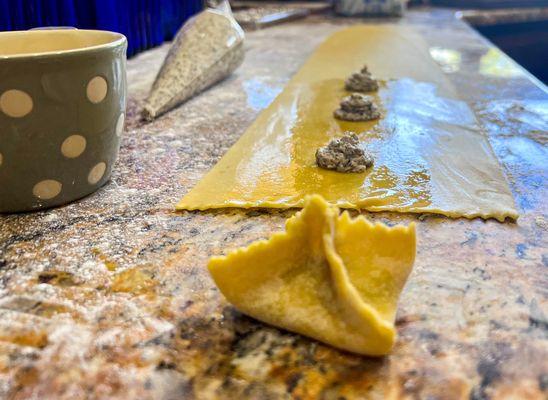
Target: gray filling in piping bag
{"type": "Point", "coordinates": [207, 49]}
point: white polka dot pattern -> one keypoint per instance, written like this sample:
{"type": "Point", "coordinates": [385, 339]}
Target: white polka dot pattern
{"type": "Point", "coordinates": [81, 151]}
{"type": "Point", "coordinates": [97, 89]}
{"type": "Point", "coordinates": [15, 103]}
{"type": "Point", "coordinates": [97, 173]}
{"type": "Point", "coordinates": [73, 146]}
{"type": "Point", "coordinates": [47, 189]}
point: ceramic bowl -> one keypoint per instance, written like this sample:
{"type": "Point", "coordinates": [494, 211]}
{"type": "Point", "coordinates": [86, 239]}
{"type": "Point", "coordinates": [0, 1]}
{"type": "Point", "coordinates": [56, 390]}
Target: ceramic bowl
{"type": "Point", "coordinates": [62, 109]}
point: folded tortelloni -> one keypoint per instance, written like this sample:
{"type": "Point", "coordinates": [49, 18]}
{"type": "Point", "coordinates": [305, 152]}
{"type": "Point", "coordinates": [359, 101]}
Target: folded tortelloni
{"type": "Point", "coordinates": [329, 277]}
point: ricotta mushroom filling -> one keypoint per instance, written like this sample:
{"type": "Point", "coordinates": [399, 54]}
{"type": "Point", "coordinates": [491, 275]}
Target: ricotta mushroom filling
{"type": "Point", "coordinates": [357, 107]}
{"type": "Point", "coordinates": [362, 81]}
{"type": "Point", "coordinates": [344, 155]}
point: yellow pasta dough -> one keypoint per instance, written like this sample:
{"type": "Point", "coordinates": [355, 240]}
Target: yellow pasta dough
{"type": "Point", "coordinates": [431, 155]}
{"type": "Point", "coordinates": [329, 277]}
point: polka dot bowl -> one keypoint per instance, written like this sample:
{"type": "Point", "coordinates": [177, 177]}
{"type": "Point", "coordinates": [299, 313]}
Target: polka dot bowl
{"type": "Point", "coordinates": [62, 108]}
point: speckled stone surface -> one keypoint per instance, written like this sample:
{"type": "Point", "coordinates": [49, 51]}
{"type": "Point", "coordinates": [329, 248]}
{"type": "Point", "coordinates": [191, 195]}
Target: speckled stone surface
{"type": "Point", "coordinates": [505, 16]}
{"type": "Point", "coordinates": [110, 297]}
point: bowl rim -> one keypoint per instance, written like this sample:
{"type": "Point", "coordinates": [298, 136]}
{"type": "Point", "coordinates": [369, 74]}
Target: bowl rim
{"type": "Point", "coordinates": [117, 40]}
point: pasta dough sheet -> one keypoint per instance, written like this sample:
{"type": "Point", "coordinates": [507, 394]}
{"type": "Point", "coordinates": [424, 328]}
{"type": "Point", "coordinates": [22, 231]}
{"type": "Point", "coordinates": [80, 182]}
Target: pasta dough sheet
{"type": "Point", "coordinates": [431, 156]}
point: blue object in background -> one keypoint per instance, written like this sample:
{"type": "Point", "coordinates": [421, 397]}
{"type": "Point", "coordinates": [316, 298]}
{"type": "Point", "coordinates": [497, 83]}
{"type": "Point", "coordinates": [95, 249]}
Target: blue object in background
{"type": "Point", "coordinates": [146, 23]}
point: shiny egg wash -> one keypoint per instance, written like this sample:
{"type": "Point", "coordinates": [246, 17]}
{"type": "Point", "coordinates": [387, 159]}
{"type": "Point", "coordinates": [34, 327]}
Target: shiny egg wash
{"type": "Point", "coordinates": [431, 155]}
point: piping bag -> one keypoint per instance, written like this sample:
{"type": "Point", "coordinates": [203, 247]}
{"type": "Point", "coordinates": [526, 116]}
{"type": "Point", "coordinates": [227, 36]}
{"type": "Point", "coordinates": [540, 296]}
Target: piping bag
{"type": "Point", "coordinates": [207, 49]}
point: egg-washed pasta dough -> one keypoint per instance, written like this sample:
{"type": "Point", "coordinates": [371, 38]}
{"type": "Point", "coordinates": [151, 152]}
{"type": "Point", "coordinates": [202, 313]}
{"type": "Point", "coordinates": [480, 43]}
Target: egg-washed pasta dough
{"type": "Point", "coordinates": [330, 277]}
{"type": "Point", "coordinates": [431, 156]}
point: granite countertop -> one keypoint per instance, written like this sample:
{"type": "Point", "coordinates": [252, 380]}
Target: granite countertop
{"type": "Point", "coordinates": [110, 297]}
{"type": "Point", "coordinates": [505, 16]}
